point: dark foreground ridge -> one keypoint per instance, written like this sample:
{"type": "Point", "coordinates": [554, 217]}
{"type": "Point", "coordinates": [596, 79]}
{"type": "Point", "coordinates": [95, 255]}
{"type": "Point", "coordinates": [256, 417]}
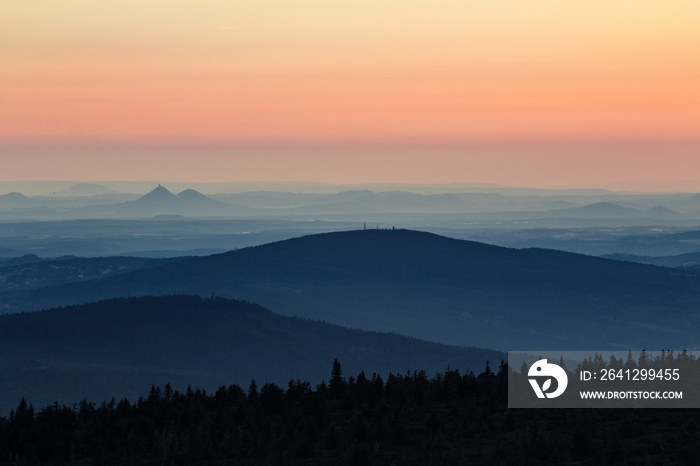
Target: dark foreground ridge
{"type": "Point", "coordinates": [114, 348]}
{"type": "Point", "coordinates": [412, 419]}
{"type": "Point", "coordinates": [430, 287]}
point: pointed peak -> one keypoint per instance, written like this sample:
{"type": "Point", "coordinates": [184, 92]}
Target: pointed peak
{"type": "Point", "coordinates": [159, 194]}
{"type": "Point", "coordinates": [160, 189]}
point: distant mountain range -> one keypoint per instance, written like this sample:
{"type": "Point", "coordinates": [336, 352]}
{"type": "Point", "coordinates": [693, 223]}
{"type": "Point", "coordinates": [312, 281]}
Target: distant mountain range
{"type": "Point", "coordinates": [16, 201]}
{"type": "Point", "coordinates": [480, 205]}
{"type": "Point", "coordinates": [85, 189]}
{"type": "Point", "coordinates": [688, 261]}
{"type": "Point", "coordinates": [96, 201]}
{"type": "Point", "coordinates": [430, 287]}
{"type": "Point", "coordinates": [119, 348]}
{"type": "Point", "coordinates": [160, 201]}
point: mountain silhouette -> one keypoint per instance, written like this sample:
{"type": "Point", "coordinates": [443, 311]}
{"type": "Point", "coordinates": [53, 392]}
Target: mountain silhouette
{"type": "Point", "coordinates": [85, 189]}
{"type": "Point", "coordinates": [159, 195]}
{"type": "Point", "coordinates": [663, 212]}
{"type": "Point", "coordinates": [160, 201]}
{"type": "Point", "coordinates": [605, 209]}
{"type": "Point", "coordinates": [190, 195]}
{"type": "Point", "coordinates": [431, 287]}
{"type": "Point", "coordinates": [118, 348]}
{"type": "Point", "coordinates": [15, 200]}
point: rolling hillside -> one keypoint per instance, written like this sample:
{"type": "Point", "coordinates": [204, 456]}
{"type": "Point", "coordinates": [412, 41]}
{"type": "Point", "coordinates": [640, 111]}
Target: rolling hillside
{"type": "Point", "coordinates": [431, 287]}
{"type": "Point", "coordinates": [118, 348]}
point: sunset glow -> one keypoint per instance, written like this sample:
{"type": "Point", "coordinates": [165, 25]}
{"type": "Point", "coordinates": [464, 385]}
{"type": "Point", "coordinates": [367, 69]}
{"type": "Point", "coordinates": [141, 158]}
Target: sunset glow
{"type": "Point", "coordinates": [338, 74]}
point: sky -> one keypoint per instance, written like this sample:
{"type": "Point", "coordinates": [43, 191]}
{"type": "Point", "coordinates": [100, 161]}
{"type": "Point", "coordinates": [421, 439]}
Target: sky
{"type": "Point", "coordinates": [538, 93]}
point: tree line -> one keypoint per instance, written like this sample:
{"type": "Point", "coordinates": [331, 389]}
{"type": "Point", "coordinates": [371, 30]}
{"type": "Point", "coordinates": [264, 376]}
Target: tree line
{"type": "Point", "coordinates": [453, 417]}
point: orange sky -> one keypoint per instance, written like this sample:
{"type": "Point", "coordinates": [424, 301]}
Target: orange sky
{"type": "Point", "coordinates": [330, 74]}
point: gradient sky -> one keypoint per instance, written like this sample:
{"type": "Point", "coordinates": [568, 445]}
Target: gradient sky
{"type": "Point", "coordinates": [546, 93]}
